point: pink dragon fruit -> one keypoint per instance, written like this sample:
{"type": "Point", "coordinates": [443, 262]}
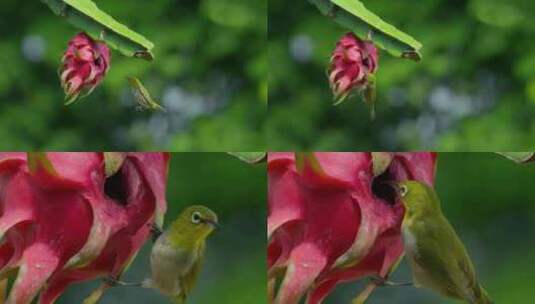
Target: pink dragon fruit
{"type": "Point", "coordinates": [70, 217]}
{"type": "Point", "coordinates": [353, 65]}
{"type": "Point", "coordinates": [332, 219]}
{"type": "Point", "coordinates": [85, 64]}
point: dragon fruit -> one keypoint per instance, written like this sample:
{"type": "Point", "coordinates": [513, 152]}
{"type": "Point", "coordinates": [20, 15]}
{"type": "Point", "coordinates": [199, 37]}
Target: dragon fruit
{"type": "Point", "coordinates": [332, 219]}
{"type": "Point", "coordinates": [85, 64]}
{"type": "Point", "coordinates": [70, 217]}
{"type": "Point", "coordinates": [353, 66]}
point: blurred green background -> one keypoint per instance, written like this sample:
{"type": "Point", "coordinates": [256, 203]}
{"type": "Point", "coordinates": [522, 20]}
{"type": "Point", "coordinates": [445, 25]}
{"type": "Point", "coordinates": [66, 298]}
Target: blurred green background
{"type": "Point", "coordinates": [473, 90]}
{"type": "Point", "coordinates": [209, 73]}
{"type": "Point", "coordinates": [490, 202]}
{"type": "Point", "coordinates": [235, 264]}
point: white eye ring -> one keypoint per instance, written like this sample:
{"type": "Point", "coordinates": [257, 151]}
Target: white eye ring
{"type": "Point", "coordinates": [403, 190]}
{"type": "Point", "coordinates": [195, 217]}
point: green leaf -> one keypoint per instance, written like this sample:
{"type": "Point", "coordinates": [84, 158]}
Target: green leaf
{"type": "Point", "coordinates": [250, 157]}
{"type": "Point", "coordinates": [142, 95]}
{"type": "Point", "coordinates": [519, 157]}
{"type": "Point", "coordinates": [353, 15]}
{"type": "Point", "coordinates": [85, 15]}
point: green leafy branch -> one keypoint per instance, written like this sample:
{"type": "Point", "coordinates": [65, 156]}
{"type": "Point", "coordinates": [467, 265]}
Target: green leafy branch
{"type": "Point", "coordinates": [353, 15]}
{"type": "Point", "coordinates": [85, 15]}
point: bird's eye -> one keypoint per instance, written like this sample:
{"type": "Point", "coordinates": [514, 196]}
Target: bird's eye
{"type": "Point", "coordinates": [195, 217]}
{"type": "Point", "coordinates": [403, 190]}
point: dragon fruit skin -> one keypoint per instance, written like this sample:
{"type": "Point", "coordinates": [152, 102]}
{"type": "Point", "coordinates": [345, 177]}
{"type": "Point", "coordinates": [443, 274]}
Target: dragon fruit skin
{"type": "Point", "coordinates": [84, 65]}
{"type": "Point", "coordinates": [352, 62]}
{"type": "Point", "coordinates": [69, 217]}
{"type": "Point", "coordinates": [327, 225]}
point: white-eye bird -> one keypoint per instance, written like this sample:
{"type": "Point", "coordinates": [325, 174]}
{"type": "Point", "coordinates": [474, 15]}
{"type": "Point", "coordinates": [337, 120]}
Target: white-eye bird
{"type": "Point", "coordinates": [178, 252]}
{"type": "Point", "coordinates": [437, 257]}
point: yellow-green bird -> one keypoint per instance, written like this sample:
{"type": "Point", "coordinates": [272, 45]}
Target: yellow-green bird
{"type": "Point", "coordinates": [177, 255]}
{"type": "Point", "coordinates": [438, 259]}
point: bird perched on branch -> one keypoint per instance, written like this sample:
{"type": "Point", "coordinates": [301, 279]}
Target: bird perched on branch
{"type": "Point", "coordinates": [177, 255]}
{"type": "Point", "coordinates": [437, 257]}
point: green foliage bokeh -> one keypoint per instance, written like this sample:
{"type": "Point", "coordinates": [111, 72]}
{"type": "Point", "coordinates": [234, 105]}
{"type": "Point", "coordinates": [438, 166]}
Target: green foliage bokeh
{"type": "Point", "coordinates": [236, 254]}
{"type": "Point", "coordinates": [210, 65]}
{"type": "Point", "coordinates": [473, 90]}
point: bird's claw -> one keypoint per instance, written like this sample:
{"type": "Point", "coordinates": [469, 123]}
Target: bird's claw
{"type": "Point", "coordinates": [380, 281]}
{"type": "Point", "coordinates": [110, 280]}
{"type": "Point", "coordinates": [155, 231]}
{"type": "Point", "coordinates": [377, 280]}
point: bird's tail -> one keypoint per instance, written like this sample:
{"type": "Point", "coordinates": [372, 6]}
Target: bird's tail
{"type": "Point", "coordinates": [482, 297]}
{"type": "Point", "coordinates": [179, 299]}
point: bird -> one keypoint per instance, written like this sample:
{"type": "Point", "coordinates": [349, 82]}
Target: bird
{"type": "Point", "coordinates": [177, 254]}
{"type": "Point", "coordinates": [437, 257]}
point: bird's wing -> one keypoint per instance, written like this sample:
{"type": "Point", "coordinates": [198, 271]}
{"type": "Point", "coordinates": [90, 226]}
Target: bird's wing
{"type": "Point", "coordinates": [461, 268]}
{"type": "Point", "coordinates": [434, 270]}
{"type": "Point", "coordinates": [469, 280]}
{"type": "Point", "coordinates": [189, 280]}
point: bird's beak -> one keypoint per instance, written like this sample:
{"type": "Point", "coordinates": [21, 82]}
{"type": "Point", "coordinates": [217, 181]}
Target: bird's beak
{"type": "Point", "coordinates": [214, 224]}
{"type": "Point", "coordinates": [396, 186]}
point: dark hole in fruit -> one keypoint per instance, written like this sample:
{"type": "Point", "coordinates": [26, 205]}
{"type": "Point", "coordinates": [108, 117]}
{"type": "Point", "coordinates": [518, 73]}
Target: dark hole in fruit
{"type": "Point", "coordinates": [383, 190]}
{"type": "Point", "coordinates": [115, 187]}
